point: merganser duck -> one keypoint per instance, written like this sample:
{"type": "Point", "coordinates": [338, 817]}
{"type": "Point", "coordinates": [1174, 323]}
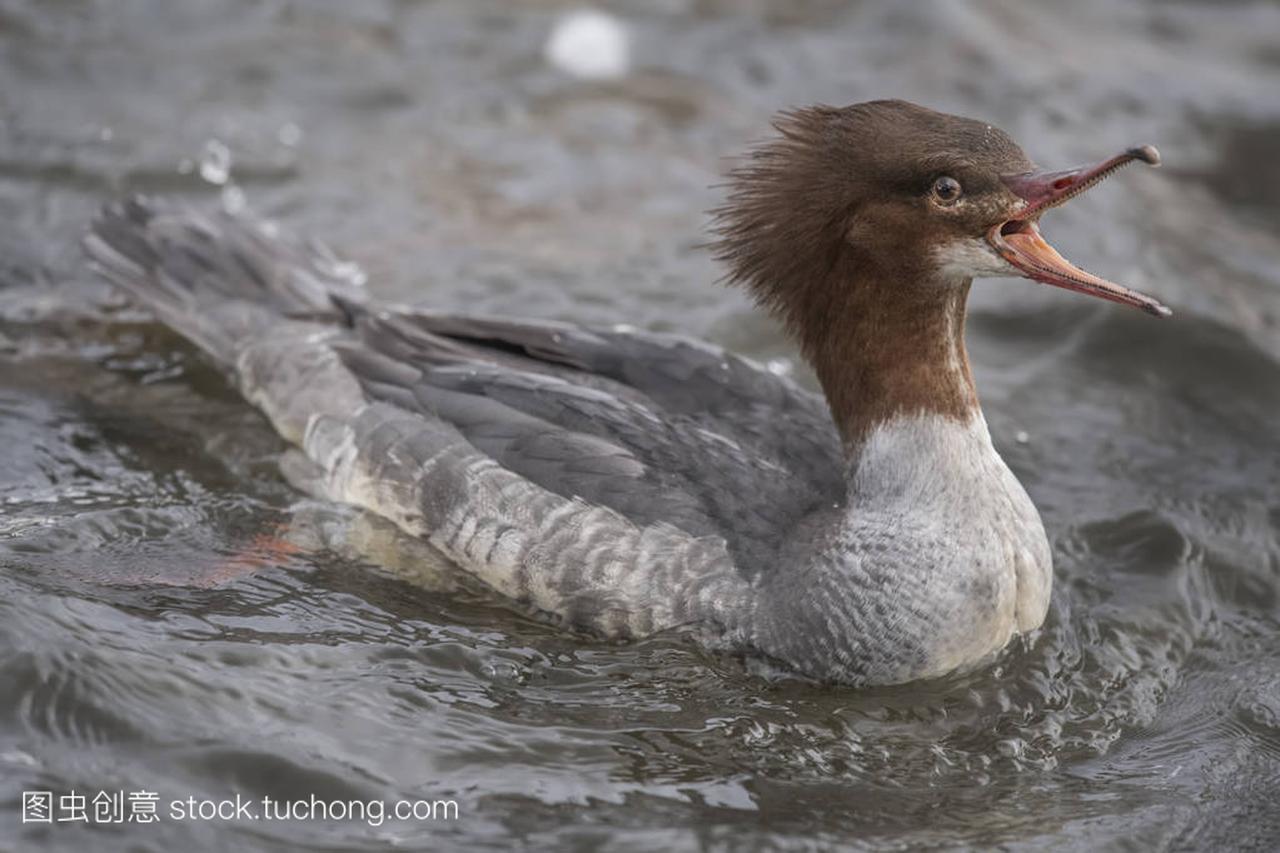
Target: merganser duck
{"type": "Point", "coordinates": [630, 483]}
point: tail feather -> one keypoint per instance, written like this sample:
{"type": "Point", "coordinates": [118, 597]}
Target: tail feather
{"type": "Point", "coordinates": [222, 281]}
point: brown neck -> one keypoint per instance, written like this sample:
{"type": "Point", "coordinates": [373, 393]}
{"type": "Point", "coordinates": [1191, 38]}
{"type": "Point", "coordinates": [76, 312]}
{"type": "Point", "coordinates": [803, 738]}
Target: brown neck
{"type": "Point", "coordinates": [886, 349]}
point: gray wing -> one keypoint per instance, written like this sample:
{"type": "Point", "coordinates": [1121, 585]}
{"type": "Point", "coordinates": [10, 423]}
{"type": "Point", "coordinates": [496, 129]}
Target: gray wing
{"type": "Point", "coordinates": [659, 429]}
{"type": "Point", "coordinates": [679, 376]}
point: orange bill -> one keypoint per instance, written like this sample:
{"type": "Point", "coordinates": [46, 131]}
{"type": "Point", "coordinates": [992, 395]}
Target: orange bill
{"type": "Point", "coordinates": [1019, 242]}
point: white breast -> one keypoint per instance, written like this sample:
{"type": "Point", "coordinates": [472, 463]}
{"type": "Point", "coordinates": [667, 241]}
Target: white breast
{"type": "Point", "coordinates": [966, 526]}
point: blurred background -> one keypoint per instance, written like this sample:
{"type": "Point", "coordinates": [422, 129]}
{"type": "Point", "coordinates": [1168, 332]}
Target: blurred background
{"type": "Point", "coordinates": [543, 158]}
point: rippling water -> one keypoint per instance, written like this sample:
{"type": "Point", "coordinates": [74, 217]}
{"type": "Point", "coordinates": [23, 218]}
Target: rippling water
{"type": "Point", "coordinates": [156, 635]}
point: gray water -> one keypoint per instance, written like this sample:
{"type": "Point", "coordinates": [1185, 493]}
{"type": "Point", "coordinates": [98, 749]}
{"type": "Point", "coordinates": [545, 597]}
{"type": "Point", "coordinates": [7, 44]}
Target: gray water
{"type": "Point", "coordinates": [155, 636]}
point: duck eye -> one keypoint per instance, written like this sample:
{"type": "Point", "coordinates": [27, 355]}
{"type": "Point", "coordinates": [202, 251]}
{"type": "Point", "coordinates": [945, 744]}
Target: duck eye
{"type": "Point", "coordinates": [946, 190]}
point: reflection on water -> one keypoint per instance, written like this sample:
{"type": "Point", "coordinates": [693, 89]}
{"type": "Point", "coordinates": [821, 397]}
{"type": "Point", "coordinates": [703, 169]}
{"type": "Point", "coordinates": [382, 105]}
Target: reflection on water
{"type": "Point", "coordinates": [174, 618]}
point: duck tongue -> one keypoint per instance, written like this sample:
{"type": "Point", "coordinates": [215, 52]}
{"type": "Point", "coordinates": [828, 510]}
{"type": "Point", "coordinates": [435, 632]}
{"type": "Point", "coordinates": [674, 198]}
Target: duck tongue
{"type": "Point", "coordinates": [1019, 241]}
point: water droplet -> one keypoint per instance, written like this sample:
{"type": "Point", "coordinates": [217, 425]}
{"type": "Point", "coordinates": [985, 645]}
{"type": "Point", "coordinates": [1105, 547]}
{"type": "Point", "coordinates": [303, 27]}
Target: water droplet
{"type": "Point", "coordinates": [335, 267]}
{"type": "Point", "coordinates": [779, 366]}
{"type": "Point", "coordinates": [1021, 436]}
{"type": "Point", "coordinates": [350, 271]}
{"type": "Point", "coordinates": [289, 134]}
{"type": "Point", "coordinates": [589, 44]}
{"type": "Point", "coordinates": [215, 162]}
{"type": "Point", "coordinates": [233, 200]}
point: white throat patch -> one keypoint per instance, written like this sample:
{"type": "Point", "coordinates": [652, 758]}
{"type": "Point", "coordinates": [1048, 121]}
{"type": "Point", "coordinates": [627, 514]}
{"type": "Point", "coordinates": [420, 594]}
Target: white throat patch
{"type": "Point", "coordinates": [970, 257]}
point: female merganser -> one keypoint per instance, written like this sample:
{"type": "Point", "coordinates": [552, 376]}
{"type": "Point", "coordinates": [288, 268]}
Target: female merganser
{"type": "Point", "coordinates": [629, 482]}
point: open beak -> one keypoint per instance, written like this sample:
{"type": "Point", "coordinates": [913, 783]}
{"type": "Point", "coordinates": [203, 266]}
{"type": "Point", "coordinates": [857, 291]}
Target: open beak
{"type": "Point", "coordinates": [1018, 240]}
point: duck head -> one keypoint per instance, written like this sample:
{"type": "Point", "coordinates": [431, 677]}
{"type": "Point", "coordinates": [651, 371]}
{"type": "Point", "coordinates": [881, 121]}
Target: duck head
{"type": "Point", "coordinates": [897, 188]}
{"type": "Point", "coordinates": [863, 226]}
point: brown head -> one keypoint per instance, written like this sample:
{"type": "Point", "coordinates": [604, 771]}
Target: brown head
{"type": "Point", "coordinates": [861, 227]}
